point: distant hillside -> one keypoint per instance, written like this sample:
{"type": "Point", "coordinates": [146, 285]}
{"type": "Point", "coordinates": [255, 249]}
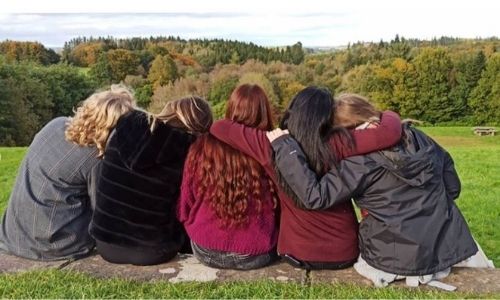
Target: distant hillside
{"type": "Point", "coordinates": [440, 81]}
{"type": "Point", "coordinates": [84, 51]}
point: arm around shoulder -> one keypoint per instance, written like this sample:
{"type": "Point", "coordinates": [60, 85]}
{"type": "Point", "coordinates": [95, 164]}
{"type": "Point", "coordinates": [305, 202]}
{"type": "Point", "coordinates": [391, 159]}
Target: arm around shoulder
{"type": "Point", "coordinates": [386, 135]}
{"type": "Point", "coordinates": [251, 141]}
{"type": "Point", "coordinates": [315, 194]}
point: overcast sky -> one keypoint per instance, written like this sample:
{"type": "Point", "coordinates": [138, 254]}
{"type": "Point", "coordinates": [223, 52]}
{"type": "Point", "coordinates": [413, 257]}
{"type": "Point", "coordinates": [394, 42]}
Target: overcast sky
{"type": "Point", "coordinates": [264, 22]}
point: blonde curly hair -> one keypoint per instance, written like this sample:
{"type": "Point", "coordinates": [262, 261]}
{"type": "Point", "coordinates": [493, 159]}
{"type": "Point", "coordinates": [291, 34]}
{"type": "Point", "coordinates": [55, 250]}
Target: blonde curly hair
{"type": "Point", "coordinates": [96, 117]}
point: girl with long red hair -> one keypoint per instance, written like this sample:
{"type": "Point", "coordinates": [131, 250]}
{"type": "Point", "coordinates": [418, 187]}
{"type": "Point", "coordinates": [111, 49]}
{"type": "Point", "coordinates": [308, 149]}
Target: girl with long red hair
{"type": "Point", "coordinates": [228, 202]}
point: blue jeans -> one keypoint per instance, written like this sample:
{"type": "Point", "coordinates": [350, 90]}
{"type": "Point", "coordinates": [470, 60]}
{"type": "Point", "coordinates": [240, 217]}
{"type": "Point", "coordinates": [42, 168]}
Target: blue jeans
{"type": "Point", "coordinates": [231, 260]}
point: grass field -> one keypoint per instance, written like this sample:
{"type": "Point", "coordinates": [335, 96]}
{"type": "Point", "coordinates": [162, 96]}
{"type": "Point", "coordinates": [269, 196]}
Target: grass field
{"type": "Point", "coordinates": [10, 159]}
{"type": "Point", "coordinates": [59, 284]}
{"type": "Point", "coordinates": [477, 160]}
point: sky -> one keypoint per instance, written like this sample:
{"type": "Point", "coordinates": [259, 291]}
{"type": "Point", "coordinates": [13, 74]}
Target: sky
{"type": "Point", "coordinates": [315, 23]}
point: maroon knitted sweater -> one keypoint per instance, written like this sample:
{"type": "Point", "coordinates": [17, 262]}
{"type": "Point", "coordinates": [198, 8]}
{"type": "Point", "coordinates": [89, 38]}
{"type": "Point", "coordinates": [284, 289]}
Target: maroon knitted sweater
{"type": "Point", "coordinates": [258, 236]}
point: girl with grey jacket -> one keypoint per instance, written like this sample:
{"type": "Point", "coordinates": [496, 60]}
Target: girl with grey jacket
{"type": "Point", "coordinates": [49, 209]}
{"type": "Point", "coordinates": [413, 228]}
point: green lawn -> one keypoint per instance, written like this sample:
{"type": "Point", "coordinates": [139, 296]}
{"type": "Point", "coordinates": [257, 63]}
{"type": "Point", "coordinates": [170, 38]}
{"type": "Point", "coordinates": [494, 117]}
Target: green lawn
{"type": "Point", "coordinates": [477, 159]}
{"type": "Point", "coordinates": [478, 163]}
{"type": "Point", "coordinates": [63, 284]}
{"type": "Point", "coordinates": [9, 162]}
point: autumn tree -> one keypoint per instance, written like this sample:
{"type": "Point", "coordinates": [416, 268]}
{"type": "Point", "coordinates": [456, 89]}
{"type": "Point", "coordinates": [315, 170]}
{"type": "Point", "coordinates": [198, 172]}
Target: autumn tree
{"type": "Point", "coordinates": [28, 51]}
{"type": "Point", "coordinates": [267, 86]}
{"type": "Point", "coordinates": [404, 89]}
{"type": "Point", "coordinates": [84, 55]}
{"type": "Point", "coordinates": [176, 90]}
{"type": "Point", "coordinates": [163, 70]}
{"type": "Point", "coordinates": [288, 90]}
{"type": "Point", "coordinates": [122, 63]}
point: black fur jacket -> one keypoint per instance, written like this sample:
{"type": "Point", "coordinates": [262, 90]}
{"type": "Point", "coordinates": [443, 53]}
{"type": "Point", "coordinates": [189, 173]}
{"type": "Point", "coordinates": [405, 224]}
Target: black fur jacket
{"type": "Point", "coordinates": [139, 184]}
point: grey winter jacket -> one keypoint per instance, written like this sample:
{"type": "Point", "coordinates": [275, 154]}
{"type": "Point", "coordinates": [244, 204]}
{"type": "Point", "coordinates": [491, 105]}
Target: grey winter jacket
{"type": "Point", "coordinates": [414, 226]}
{"type": "Point", "coordinates": [49, 210]}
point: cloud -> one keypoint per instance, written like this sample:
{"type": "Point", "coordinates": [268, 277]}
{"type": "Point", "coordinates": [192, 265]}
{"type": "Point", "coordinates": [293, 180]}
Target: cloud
{"type": "Point", "coordinates": [269, 23]}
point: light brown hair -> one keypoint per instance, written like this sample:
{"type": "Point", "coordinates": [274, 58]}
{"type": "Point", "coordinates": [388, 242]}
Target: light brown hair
{"type": "Point", "coordinates": [352, 110]}
{"type": "Point", "coordinates": [192, 114]}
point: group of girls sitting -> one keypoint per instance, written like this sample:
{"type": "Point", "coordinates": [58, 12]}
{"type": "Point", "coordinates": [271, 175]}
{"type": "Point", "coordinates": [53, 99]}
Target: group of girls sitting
{"type": "Point", "coordinates": [141, 187]}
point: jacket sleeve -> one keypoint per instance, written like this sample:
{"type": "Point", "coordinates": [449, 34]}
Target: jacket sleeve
{"type": "Point", "coordinates": [316, 193]}
{"type": "Point", "coordinates": [251, 141]}
{"type": "Point", "coordinates": [450, 177]}
{"type": "Point", "coordinates": [386, 135]}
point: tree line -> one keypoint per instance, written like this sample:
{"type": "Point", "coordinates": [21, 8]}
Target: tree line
{"type": "Point", "coordinates": [441, 81]}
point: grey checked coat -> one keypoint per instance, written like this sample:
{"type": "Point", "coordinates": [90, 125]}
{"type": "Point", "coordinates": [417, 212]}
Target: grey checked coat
{"type": "Point", "coordinates": [49, 209]}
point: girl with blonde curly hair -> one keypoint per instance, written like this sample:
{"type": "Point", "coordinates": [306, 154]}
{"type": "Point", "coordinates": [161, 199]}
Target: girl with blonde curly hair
{"type": "Point", "coordinates": [49, 210]}
{"type": "Point", "coordinates": [138, 185]}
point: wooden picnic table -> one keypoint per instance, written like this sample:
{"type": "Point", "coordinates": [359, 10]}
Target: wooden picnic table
{"type": "Point", "coordinates": [484, 131]}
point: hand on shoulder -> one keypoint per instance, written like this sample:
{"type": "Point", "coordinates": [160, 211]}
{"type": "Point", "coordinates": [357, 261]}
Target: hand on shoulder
{"type": "Point", "coordinates": [276, 133]}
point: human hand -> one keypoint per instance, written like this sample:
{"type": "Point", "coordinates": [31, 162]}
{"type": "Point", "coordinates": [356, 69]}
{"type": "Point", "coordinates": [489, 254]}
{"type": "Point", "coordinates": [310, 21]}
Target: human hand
{"type": "Point", "coordinates": [276, 133]}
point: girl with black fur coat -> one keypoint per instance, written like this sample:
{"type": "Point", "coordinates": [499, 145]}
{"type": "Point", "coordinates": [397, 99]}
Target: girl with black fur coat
{"type": "Point", "coordinates": [138, 185]}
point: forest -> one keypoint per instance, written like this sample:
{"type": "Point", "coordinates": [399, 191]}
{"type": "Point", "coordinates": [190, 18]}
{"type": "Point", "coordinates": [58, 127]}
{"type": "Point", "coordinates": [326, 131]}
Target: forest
{"type": "Point", "coordinates": [444, 81]}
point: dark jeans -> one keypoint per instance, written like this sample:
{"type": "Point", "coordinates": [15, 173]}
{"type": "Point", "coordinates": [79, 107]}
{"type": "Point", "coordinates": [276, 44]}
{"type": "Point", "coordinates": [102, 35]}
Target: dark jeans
{"type": "Point", "coordinates": [317, 265]}
{"type": "Point", "coordinates": [124, 255]}
{"type": "Point", "coordinates": [231, 260]}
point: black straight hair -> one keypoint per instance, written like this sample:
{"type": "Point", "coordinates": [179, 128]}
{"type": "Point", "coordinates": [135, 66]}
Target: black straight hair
{"type": "Point", "coordinates": [309, 120]}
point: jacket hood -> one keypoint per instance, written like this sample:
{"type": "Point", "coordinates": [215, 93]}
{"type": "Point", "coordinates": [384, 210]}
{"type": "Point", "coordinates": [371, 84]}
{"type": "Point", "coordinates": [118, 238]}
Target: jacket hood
{"type": "Point", "coordinates": [411, 160]}
{"type": "Point", "coordinates": [141, 148]}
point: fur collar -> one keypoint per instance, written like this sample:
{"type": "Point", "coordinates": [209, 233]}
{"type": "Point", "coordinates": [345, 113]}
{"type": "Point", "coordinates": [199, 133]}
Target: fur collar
{"type": "Point", "coordinates": [140, 148]}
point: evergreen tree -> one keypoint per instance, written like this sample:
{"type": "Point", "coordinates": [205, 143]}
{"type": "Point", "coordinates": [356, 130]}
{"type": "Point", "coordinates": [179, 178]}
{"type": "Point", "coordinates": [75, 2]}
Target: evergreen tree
{"type": "Point", "coordinates": [433, 67]}
{"type": "Point", "coordinates": [467, 73]}
{"type": "Point", "coordinates": [296, 53]}
{"type": "Point", "coordinates": [485, 98]}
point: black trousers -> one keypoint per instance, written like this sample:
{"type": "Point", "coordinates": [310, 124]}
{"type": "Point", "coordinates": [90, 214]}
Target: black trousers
{"type": "Point", "coordinates": [317, 265]}
{"type": "Point", "coordinates": [141, 257]}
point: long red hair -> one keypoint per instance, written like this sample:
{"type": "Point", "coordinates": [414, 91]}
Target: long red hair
{"type": "Point", "coordinates": [230, 180]}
